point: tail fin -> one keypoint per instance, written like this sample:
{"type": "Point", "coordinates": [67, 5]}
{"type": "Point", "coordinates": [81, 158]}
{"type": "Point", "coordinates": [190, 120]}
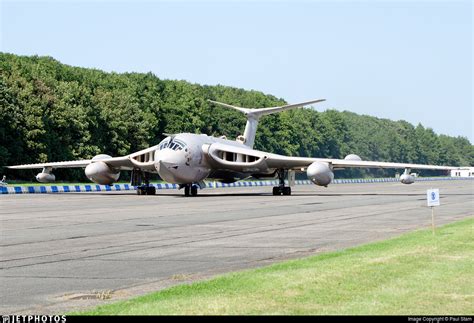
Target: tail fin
{"type": "Point", "coordinates": [253, 116]}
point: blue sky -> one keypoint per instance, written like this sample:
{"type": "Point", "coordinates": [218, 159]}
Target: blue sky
{"type": "Point", "coordinates": [397, 60]}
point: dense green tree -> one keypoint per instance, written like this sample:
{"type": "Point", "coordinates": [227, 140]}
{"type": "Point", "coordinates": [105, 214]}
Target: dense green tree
{"type": "Point", "coordinates": [51, 111]}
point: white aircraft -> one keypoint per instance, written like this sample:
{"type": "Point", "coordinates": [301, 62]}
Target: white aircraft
{"type": "Point", "coordinates": [187, 159]}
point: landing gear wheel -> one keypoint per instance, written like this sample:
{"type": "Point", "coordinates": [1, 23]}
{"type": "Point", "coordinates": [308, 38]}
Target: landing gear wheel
{"type": "Point", "coordinates": [150, 190]}
{"type": "Point", "coordinates": [190, 189]}
{"type": "Point", "coordinates": [138, 177]}
{"type": "Point", "coordinates": [281, 189]}
{"type": "Point", "coordinates": [146, 190]}
{"type": "Point", "coordinates": [276, 190]}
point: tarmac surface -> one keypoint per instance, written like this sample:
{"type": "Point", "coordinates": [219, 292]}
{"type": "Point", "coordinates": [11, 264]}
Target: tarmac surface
{"type": "Point", "coordinates": [69, 251]}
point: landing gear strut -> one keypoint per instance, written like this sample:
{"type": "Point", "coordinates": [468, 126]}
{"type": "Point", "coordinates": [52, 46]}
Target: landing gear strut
{"type": "Point", "coordinates": [281, 189]}
{"type": "Point", "coordinates": [190, 189]}
{"type": "Point", "coordinates": [142, 189]}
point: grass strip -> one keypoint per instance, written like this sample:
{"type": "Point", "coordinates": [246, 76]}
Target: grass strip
{"type": "Point", "coordinates": [415, 274]}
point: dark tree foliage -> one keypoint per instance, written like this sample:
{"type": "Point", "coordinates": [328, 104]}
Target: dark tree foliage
{"type": "Point", "coordinates": [54, 112]}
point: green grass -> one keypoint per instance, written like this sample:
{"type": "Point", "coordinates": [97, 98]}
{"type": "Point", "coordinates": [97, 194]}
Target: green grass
{"type": "Point", "coordinates": [414, 274]}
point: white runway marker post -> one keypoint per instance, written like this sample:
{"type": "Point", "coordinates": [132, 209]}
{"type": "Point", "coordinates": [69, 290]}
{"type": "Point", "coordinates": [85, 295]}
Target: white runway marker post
{"type": "Point", "coordinates": [432, 198]}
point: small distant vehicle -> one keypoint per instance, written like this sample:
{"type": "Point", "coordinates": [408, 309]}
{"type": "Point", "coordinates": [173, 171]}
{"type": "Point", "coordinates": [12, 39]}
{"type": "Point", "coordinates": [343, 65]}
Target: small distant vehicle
{"type": "Point", "coordinates": [188, 159]}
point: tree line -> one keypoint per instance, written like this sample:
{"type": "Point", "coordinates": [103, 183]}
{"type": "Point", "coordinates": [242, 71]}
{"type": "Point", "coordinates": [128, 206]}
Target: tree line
{"type": "Point", "coordinates": [53, 112]}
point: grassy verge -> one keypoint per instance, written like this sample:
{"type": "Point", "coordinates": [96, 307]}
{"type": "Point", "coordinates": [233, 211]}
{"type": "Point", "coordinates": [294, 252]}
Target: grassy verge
{"type": "Point", "coordinates": [417, 273]}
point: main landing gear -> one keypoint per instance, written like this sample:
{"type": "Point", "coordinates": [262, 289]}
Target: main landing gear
{"type": "Point", "coordinates": [142, 189]}
{"type": "Point", "coordinates": [190, 189]}
{"type": "Point", "coordinates": [281, 189]}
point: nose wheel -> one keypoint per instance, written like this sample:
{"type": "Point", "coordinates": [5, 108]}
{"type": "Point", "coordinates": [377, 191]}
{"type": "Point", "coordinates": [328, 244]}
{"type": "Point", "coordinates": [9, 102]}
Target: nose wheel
{"type": "Point", "coordinates": [190, 190]}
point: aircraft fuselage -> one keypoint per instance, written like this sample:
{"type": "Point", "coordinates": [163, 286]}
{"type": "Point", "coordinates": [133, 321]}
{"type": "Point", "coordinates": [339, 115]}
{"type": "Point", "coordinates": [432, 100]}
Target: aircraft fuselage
{"type": "Point", "coordinates": [180, 159]}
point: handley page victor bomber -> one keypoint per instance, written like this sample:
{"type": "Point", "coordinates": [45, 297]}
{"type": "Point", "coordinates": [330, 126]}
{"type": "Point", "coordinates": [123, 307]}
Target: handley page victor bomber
{"type": "Point", "coordinates": [188, 159]}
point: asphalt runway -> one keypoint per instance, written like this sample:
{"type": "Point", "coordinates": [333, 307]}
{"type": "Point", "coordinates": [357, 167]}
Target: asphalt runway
{"type": "Point", "coordinates": [63, 252]}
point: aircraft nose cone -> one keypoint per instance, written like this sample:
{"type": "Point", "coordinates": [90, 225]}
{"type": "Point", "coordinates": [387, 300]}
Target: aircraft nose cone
{"type": "Point", "coordinates": [164, 170]}
{"type": "Point", "coordinates": [168, 164]}
{"type": "Point", "coordinates": [169, 157]}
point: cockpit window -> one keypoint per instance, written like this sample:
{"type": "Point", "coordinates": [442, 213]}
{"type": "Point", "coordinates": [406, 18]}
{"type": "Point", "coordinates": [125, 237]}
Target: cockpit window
{"type": "Point", "coordinates": [171, 143]}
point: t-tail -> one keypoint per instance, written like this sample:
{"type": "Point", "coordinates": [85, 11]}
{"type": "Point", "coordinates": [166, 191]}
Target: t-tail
{"type": "Point", "coordinates": [254, 115]}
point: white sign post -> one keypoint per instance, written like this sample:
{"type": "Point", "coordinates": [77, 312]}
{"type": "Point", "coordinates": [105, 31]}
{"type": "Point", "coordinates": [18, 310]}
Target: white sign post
{"type": "Point", "coordinates": [432, 198]}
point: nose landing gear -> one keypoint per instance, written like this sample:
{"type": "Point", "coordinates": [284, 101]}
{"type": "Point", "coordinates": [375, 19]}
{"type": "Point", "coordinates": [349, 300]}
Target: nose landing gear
{"type": "Point", "coordinates": [190, 189]}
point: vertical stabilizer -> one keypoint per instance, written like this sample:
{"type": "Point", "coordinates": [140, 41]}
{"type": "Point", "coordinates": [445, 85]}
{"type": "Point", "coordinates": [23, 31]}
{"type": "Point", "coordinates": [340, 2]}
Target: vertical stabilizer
{"type": "Point", "coordinates": [254, 115]}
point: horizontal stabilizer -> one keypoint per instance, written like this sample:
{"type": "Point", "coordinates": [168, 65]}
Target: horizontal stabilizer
{"type": "Point", "coordinates": [266, 111]}
{"type": "Point", "coordinates": [225, 105]}
{"type": "Point", "coordinates": [253, 116]}
{"type": "Point", "coordinates": [257, 113]}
